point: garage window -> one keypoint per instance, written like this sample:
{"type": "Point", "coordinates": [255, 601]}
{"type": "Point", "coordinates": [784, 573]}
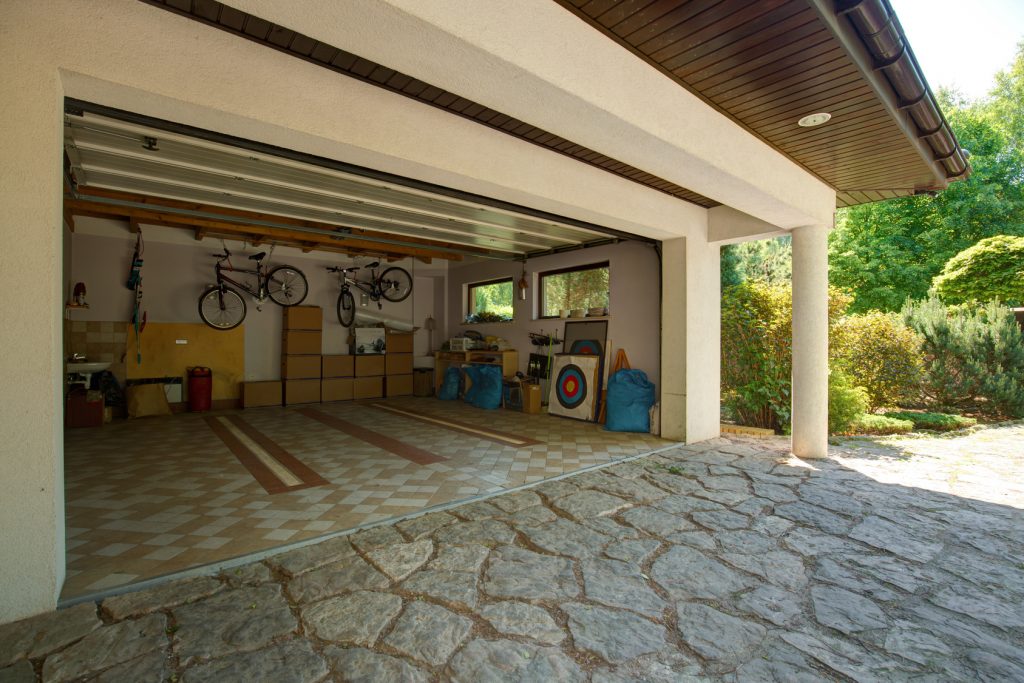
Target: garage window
{"type": "Point", "coordinates": [489, 301]}
{"type": "Point", "coordinates": [577, 288]}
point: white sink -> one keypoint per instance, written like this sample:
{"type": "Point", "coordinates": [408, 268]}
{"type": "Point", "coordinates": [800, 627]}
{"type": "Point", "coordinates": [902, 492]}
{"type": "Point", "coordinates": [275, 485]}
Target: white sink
{"type": "Point", "coordinates": [83, 368]}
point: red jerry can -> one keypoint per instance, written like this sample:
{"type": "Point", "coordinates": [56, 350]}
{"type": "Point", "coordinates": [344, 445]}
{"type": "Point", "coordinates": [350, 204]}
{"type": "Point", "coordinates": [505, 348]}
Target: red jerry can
{"type": "Point", "coordinates": [200, 389]}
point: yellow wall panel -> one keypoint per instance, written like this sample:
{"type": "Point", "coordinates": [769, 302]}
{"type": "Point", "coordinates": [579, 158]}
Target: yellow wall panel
{"type": "Point", "coordinates": [221, 351]}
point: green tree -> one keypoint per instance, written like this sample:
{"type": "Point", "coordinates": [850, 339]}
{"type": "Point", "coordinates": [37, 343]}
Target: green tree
{"type": "Point", "coordinates": [768, 261]}
{"type": "Point", "coordinates": [991, 269]}
{"type": "Point", "coordinates": [889, 251]}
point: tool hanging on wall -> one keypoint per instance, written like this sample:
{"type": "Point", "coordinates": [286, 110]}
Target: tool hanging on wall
{"type": "Point", "coordinates": [135, 283]}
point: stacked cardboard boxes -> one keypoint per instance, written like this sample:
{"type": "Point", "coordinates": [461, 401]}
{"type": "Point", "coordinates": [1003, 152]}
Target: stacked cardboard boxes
{"type": "Point", "coordinates": [398, 364]}
{"type": "Point", "coordinates": [369, 376]}
{"type": "Point", "coordinates": [336, 384]}
{"type": "Point", "coordinates": [301, 344]}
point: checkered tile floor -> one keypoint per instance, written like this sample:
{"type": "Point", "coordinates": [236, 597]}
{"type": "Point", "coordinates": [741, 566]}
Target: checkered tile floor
{"type": "Point", "coordinates": [158, 495]}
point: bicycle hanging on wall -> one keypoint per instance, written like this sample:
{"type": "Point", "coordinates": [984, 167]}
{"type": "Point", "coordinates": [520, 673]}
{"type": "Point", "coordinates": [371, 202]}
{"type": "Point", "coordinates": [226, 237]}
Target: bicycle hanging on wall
{"type": "Point", "coordinates": [394, 285]}
{"type": "Point", "coordinates": [223, 308]}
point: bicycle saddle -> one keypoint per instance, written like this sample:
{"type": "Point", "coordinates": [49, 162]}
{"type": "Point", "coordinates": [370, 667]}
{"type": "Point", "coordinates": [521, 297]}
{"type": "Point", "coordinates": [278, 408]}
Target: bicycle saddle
{"type": "Point", "coordinates": [373, 265]}
{"type": "Point", "coordinates": [258, 257]}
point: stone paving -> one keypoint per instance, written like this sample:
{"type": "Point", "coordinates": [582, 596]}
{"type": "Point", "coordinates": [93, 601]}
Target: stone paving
{"type": "Point", "coordinates": [723, 561]}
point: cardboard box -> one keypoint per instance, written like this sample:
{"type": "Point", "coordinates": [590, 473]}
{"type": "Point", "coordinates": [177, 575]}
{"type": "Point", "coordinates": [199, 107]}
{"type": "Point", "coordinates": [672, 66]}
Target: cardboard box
{"type": "Point", "coordinates": [84, 409]}
{"type": "Point", "coordinates": [303, 318]}
{"type": "Point", "coordinates": [301, 391]}
{"type": "Point", "coordinates": [338, 366]}
{"type": "Point", "coordinates": [398, 385]}
{"type": "Point", "coordinates": [531, 398]}
{"type": "Point", "coordinates": [370, 366]}
{"type": "Point", "coordinates": [399, 342]}
{"type": "Point", "coordinates": [256, 394]}
{"type": "Point", "coordinates": [300, 367]}
{"type": "Point", "coordinates": [398, 363]}
{"type": "Point", "coordinates": [301, 342]}
{"type": "Point", "coordinates": [368, 387]}
{"type": "Point", "coordinates": [336, 389]}
{"type": "Point", "coordinates": [369, 340]}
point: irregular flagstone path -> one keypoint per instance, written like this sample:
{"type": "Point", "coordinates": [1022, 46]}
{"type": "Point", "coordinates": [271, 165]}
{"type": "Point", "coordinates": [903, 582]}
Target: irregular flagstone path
{"type": "Point", "coordinates": [722, 561]}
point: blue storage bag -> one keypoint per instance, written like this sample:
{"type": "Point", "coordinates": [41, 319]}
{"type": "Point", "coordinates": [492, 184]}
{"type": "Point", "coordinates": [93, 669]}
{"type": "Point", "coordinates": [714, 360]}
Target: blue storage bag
{"type": "Point", "coordinates": [450, 385]}
{"type": "Point", "coordinates": [486, 387]}
{"type": "Point", "coordinates": [629, 398]}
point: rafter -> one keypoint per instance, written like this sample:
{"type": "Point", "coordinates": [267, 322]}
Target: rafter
{"type": "Point", "coordinates": [240, 216]}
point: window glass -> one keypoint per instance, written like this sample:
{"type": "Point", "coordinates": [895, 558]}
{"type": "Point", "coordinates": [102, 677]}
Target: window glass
{"type": "Point", "coordinates": [490, 301]}
{"type": "Point", "coordinates": [585, 287]}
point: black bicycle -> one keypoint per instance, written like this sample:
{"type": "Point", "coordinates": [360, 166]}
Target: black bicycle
{"type": "Point", "coordinates": [394, 285]}
{"type": "Point", "coordinates": [223, 308]}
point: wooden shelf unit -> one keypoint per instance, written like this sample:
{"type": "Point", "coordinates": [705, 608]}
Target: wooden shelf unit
{"type": "Point", "coordinates": [507, 360]}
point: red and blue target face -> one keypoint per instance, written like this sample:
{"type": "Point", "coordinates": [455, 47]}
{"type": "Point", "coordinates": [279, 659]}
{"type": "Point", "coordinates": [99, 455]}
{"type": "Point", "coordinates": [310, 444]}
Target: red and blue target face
{"type": "Point", "coordinates": [571, 387]}
{"type": "Point", "coordinates": [586, 347]}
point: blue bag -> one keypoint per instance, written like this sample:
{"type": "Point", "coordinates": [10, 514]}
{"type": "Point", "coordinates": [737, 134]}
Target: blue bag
{"type": "Point", "coordinates": [450, 385]}
{"type": "Point", "coordinates": [629, 398]}
{"type": "Point", "coordinates": [486, 387]}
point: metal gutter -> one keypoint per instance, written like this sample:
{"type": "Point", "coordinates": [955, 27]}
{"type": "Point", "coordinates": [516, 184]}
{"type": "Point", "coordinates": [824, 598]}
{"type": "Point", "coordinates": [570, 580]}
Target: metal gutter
{"type": "Point", "coordinates": [871, 33]}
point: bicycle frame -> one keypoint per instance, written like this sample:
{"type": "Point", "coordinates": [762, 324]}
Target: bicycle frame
{"type": "Point", "coordinates": [372, 289]}
{"type": "Point", "coordinates": [259, 293]}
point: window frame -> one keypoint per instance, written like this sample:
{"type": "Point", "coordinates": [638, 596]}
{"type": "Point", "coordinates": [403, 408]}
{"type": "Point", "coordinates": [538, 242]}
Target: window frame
{"type": "Point", "coordinates": [561, 271]}
{"type": "Point", "coordinates": [497, 281]}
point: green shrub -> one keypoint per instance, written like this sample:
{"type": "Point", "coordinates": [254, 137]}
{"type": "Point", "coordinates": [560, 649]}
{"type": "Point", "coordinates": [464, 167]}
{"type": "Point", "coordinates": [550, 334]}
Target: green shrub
{"type": "Point", "coordinates": [973, 355]}
{"type": "Point", "coordinates": [939, 422]}
{"type": "Point", "coordinates": [757, 343]}
{"type": "Point", "coordinates": [756, 347]}
{"type": "Point", "coordinates": [869, 423]}
{"type": "Point", "coordinates": [845, 402]}
{"type": "Point", "coordinates": [880, 353]}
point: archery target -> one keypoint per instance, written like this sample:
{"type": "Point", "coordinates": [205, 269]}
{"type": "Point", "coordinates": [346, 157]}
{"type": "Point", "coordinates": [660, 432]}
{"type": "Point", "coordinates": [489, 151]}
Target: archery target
{"type": "Point", "coordinates": [590, 347]}
{"type": "Point", "coordinates": [573, 386]}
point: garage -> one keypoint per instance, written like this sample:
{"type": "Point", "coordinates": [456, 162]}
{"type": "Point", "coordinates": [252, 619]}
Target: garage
{"type": "Point", "coordinates": [313, 427]}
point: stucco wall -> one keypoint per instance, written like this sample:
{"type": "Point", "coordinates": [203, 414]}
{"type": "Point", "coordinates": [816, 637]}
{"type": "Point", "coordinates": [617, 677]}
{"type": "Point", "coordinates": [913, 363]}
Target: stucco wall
{"type": "Point", "coordinates": [634, 323]}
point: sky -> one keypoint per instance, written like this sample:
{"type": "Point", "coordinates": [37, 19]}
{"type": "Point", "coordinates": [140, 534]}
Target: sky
{"type": "Point", "coordinates": [962, 43]}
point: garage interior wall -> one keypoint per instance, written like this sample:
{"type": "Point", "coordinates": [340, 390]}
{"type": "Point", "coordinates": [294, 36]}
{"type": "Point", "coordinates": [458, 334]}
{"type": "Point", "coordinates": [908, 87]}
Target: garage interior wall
{"type": "Point", "coordinates": [634, 322]}
{"type": "Point", "coordinates": [178, 268]}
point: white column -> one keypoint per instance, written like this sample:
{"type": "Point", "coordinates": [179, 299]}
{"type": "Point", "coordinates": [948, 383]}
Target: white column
{"type": "Point", "coordinates": [691, 315]}
{"type": "Point", "coordinates": [31, 414]}
{"type": "Point", "coordinates": [810, 342]}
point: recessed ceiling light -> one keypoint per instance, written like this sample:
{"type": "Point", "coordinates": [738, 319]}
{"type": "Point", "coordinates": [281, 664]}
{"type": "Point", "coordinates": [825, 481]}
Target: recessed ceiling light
{"type": "Point", "coordinates": [812, 120]}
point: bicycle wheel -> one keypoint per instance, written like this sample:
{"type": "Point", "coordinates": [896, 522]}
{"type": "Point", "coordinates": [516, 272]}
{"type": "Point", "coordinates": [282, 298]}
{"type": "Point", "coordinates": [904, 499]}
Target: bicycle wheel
{"type": "Point", "coordinates": [287, 286]}
{"type": "Point", "coordinates": [222, 308]}
{"type": "Point", "coordinates": [395, 284]}
{"type": "Point", "coordinates": [346, 308]}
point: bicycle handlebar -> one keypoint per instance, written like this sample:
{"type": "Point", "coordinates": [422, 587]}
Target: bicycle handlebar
{"type": "Point", "coordinates": [225, 255]}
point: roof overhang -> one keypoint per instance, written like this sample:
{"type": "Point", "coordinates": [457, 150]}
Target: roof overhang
{"type": "Point", "coordinates": [762, 64]}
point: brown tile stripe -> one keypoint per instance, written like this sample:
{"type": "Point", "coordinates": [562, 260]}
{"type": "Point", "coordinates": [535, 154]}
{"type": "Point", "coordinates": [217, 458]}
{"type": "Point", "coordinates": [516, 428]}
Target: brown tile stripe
{"type": "Point", "coordinates": [503, 438]}
{"type": "Point", "coordinates": [399, 448]}
{"type": "Point", "coordinates": [260, 472]}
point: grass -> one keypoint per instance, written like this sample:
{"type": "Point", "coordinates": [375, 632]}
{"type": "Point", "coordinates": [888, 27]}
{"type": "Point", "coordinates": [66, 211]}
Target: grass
{"type": "Point", "coordinates": [938, 422]}
{"type": "Point", "coordinates": [868, 423]}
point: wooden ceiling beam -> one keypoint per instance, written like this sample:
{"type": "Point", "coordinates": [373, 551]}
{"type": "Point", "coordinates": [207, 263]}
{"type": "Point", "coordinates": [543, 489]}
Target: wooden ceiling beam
{"type": "Point", "coordinates": [284, 235]}
{"type": "Point", "coordinates": [156, 202]}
